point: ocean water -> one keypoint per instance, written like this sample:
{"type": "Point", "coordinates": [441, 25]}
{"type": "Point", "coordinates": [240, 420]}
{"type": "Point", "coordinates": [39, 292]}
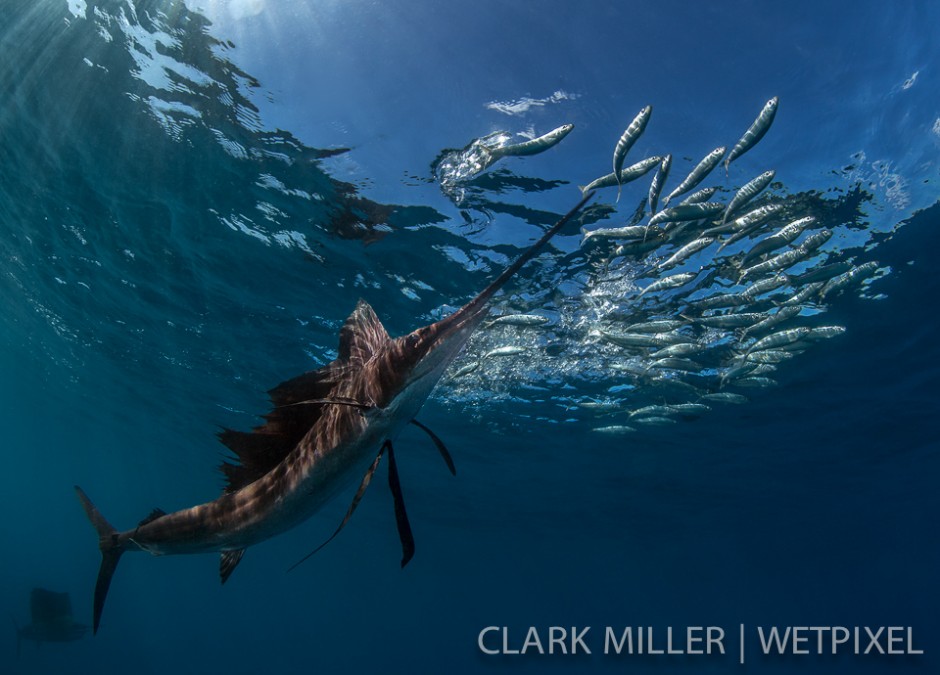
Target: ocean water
{"type": "Point", "coordinates": [194, 195]}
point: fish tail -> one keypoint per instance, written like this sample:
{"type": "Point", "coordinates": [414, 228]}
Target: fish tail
{"type": "Point", "coordinates": [111, 550]}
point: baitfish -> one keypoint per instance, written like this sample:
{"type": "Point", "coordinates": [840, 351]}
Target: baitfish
{"type": "Point", "coordinates": [673, 281]}
{"type": "Point", "coordinates": [466, 369]}
{"type": "Point", "coordinates": [746, 224]}
{"type": "Point", "coordinates": [857, 274]}
{"type": "Point", "coordinates": [765, 286]}
{"type": "Point", "coordinates": [658, 326]}
{"type": "Point", "coordinates": [821, 273]}
{"type": "Point", "coordinates": [700, 196]}
{"type": "Point", "coordinates": [825, 332]}
{"type": "Point", "coordinates": [804, 294]}
{"type": "Point", "coordinates": [629, 137]}
{"type": "Point", "coordinates": [778, 317]}
{"type": "Point", "coordinates": [533, 147]}
{"type": "Point", "coordinates": [508, 350]}
{"type": "Point", "coordinates": [724, 397]}
{"type": "Point", "coordinates": [615, 429]}
{"type": "Point", "coordinates": [659, 181]}
{"type": "Point", "coordinates": [698, 174]}
{"type": "Point", "coordinates": [778, 239]}
{"type": "Point", "coordinates": [738, 320]}
{"type": "Point", "coordinates": [791, 257]}
{"type": "Point", "coordinates": [628, 232]}
{"type": "Point", "coordinates": [682, 212]}
{"type": "Point", "coordinates": [747, 192]}
{"type": "Point", "coordinates": [689, 249]}
{"type": "Point", "coordinates": [755, 132]}
{"type": "Point", "coordinates": [641, 339]}
{"type": "Point", "coordinates": [779, 339]}
{"type": "Point", "coordinates": [518, 320]}
{"type": "Point", "coordinates": [631, 173]}
{"type": "Point", "coordinates": [678, 349]}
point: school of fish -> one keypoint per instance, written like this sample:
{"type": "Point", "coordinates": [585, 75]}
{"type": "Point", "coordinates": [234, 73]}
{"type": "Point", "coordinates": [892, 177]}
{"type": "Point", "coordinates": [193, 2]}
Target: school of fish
{"type": "Point", "coordinates": [695, 307]}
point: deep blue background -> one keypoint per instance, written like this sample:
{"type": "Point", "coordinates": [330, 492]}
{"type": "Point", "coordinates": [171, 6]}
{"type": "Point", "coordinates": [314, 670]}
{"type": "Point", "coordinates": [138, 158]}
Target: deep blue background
{"type": "Point", "coordinates": [135, 323]}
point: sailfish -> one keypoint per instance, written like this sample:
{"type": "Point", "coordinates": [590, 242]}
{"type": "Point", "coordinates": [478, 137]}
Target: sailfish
{"type": "Point", "coordinates": [326, 427]}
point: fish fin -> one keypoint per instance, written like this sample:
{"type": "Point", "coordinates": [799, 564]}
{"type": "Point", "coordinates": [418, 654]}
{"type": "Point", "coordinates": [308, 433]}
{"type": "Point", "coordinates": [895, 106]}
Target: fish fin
{"type": "Point", "coordinates": [152, 516]}
{"type": "Point", "coordinates": [401, 515]}
{"type": "Point", "coordinates": [229, 562]}
{"type": "Point", "coordinates": [361, 335]}
{"type": "Point", "coordinates": [366, 479]}
{"type": "Point", "coordinates": [111, 550]}
{"type": "Point", "coordinates": [441, 448]}
{"type": "Point", "coordinates": [260, 450]}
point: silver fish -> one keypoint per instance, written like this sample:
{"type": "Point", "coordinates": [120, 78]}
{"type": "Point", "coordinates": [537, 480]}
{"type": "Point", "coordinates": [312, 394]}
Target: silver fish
{"type": "Point", "coordinates": [518, 320]}
{"type": "Point", "coordinates": [675, 363]}
{"type": "Point", "coordinates": [614, 429]}
{"type": "Point", "coordinates": [535, 146]}
{"type": "Point", "coordinates": [755, 132]}
{"type": "Point", "coordinates": [629, 232]}
{"type": "Point", "coordinates": [725, 397]}
{"type": "Point", "coordinates": [825, 332]}
{"type": "Point", "coordinates": [632, 132]}
{"type": "Point", "coordinates": [781, 315]}
{"type": "Point", "coordinates": [659, 181]}
{"type": "Point", "coordinates": [659, 326]}
{"type": "Point", "coordinates": [631, 173]}
{"type": "Point", "coordinates": [641, 339]}
{"type": "Point", "coordinates": [747, 192]}
{"type": "Point", "coordinates": [650, 410]}
{"type": "Point", "coordinates": [770, 356]}
{"type": "Point", "coordinates": [822, 273]}
{"type": "Point", "coordinates": [466, 369]}
{"type": "Point", "coordinates": [722, 300]}
{"type": "Point", "coordinates": [778, 239]}
{"type": "Point", "coordinates": [689, 249]}
{"type": "Point", "coordinates": [738, 320]}
{"type": "Point", "coordinates": [698, 174]}
{"type": "Point", "coordinates": [779, 339]}
{"type": "Point", "coordinates": [672, 281]}
{"type": "Point", "coordinates": [656, 421]}
{"type": "Point", "coordinates": [689, 408]}
{"type": "Point", "coordinates": [687, 212]}
{"type": "Point", "coordinates": [700, 196]}
{"type": "Point", "coordinates": [508, 350]}
{"type": "Point", "coordinates": [678, 349]}
{"type": "Point", "coordinates": [765, 286]}
{"type": "Point", "coordinates": [747, 223]}
{"type": "Point", "coordinates": [652, 241]}
{"type": "Point", "coordinates": [804, 294]}
{"type": "Point", "coordinates": [857, 274]}
{"type": "Point", "coordinates": [791, 257]}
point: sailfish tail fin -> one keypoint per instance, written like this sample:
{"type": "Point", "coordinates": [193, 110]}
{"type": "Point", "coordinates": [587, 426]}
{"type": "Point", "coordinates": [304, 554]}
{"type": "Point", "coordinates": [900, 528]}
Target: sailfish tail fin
{"type": "Point", "coordinates": [111, 550]}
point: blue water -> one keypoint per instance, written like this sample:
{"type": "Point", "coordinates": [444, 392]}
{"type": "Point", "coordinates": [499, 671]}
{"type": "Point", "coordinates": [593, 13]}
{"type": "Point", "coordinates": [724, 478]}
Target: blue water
{"type": "Point", "coordinates": [194, 195]}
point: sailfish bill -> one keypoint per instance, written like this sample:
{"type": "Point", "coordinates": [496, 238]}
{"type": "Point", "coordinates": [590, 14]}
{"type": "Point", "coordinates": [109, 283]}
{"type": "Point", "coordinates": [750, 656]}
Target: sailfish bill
{"type": "Point", "coordinates": [326, 427]}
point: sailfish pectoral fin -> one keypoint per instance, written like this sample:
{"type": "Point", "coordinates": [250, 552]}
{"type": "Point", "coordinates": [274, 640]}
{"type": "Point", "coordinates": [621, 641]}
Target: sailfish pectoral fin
{"type": "Point", "coordinates": [229, 562]}
{"type": "Point", "coordinates": [352, 507]}
{"type": "Point", "coordinates": [401, 516]}
{"type": "Point", "coordinates": [441, 448]}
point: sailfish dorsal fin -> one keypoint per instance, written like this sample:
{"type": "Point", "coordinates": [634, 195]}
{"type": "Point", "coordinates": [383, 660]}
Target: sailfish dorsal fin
{"type": "Point", "coordinates": [361, 335]}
